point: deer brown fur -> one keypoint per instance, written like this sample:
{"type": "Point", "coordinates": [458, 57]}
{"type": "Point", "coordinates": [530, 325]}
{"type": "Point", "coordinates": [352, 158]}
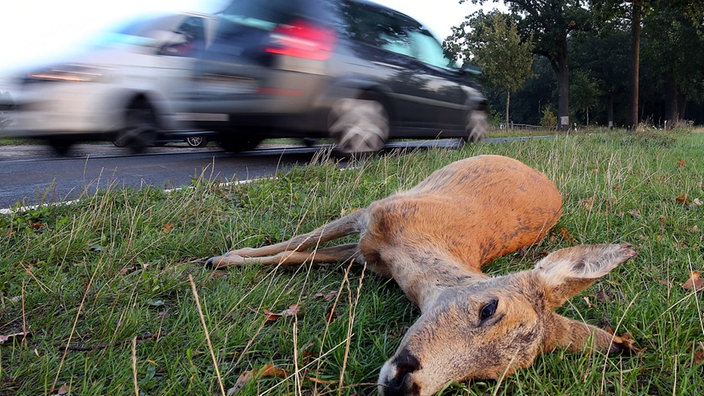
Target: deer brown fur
{"type": "Point", "coordinates": [433, 240]}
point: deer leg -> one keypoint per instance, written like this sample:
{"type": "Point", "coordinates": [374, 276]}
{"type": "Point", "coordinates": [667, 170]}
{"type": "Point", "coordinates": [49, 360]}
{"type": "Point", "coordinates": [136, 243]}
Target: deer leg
{"type": "Point", "coordinates": [291, 257]}
{"type": "Point", "coordinates": [336, 229]}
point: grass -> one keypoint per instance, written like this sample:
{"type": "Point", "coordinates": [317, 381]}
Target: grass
{"type": "Point", "coordinates": [102, 288]}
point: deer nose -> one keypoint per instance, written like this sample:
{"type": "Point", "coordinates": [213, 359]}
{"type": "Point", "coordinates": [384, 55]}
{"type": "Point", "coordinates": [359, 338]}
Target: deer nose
{"type": "Point", "coordinates": [405, 387]}
{"type": "Point", "coordinates": [402, 384]}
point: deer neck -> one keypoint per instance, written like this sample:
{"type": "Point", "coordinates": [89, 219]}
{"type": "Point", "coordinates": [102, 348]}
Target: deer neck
{"type": "Point", "coordinates": [422, 280]}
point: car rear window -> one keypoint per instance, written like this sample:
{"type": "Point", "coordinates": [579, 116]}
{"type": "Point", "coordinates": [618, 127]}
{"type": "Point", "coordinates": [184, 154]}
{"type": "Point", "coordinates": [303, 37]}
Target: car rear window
{"type": "Point", "coordinates": [270, 13]}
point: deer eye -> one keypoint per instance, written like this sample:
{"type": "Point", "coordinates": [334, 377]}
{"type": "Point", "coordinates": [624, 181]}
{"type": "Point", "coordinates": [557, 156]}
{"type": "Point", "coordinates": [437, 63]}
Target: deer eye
{"type": "Point", "coordinates": [488, 310]}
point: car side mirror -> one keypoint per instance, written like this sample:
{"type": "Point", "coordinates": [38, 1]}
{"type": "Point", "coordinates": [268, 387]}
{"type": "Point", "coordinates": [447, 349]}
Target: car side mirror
{"type": "Point", "coordinates": [171, 43]}
{"type": "Point", "coordinates": [470, 70]}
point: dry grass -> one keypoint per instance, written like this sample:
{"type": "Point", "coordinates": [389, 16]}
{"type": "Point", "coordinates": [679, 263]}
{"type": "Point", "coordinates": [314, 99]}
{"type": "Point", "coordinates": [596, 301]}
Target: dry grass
{"type": "Point", "coordinates": [101, 297]}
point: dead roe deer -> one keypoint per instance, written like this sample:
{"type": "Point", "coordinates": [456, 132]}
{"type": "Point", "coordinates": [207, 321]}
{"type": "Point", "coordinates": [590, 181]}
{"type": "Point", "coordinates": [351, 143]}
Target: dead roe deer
{"type": "Point", "coordinates": [433, 240]}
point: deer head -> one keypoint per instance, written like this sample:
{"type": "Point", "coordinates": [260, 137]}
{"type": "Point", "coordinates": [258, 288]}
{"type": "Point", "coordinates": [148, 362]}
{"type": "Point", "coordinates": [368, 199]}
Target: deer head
{"type": "Point", "coordinates": [494, 326]}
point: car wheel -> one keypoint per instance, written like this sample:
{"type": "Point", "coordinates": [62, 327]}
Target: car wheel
{"type": "Point", "coordinates": [476, 126]}
{"type": "Point", "coordinates": [61, 146]}
{"type": "Point", "coordinates": [358, 126]}
{"type": "Point", "coordinates": [235, 144]}
{"type": "Point", "coordinates": [140, 130]}
{"type": "Point", "coordinates": [197, 141]}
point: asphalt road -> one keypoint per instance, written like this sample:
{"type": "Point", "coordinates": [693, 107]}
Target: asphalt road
{"type": "Point", "coordinates": [31, 174]}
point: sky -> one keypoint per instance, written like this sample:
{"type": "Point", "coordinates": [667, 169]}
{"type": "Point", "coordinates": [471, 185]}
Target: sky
{"type": "Point", "coordinates": [41, 29]}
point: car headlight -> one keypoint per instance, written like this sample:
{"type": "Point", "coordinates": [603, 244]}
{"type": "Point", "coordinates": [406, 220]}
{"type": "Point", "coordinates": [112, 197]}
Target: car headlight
{"type": "Point", "coordinates": [68, 73]}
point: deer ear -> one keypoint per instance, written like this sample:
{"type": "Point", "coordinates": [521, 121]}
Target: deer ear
{"type": "Point", "coordinates": [566, 272]}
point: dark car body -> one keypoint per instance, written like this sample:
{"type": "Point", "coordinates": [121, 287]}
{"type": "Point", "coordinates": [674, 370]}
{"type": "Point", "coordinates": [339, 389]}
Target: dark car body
{"type": "Point", "coordinates": [350, 70]}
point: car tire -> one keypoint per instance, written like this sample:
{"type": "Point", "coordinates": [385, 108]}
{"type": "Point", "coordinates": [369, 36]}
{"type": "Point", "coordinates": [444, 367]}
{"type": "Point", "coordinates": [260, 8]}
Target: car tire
{"type": "Point", "coordinates": [141, 129]}
{"type": "Point", "coordinates": [476, 126]}
{"type": "Point", "coordinates": [197, 141]}
{"type": "Point", "coordinates": [60, 145]}
{"type": "Point", "coordinates": [358, 126]}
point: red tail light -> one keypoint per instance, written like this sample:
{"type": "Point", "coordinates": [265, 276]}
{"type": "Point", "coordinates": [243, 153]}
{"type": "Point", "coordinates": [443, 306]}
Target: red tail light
{"type": "Point", "coordinates": [302, 40]}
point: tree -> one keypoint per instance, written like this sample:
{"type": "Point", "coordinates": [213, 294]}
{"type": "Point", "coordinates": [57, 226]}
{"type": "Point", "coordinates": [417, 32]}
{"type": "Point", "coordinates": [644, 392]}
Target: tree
{"type": "Point", "coordinates": [496, 47]}
{"type": "Point", "coordinates": [550, 22]}
{"type": "Point", "coordinates": [675, 48]}
{"type": "Point", "coordinates": [584, 92]}
{"type": "Point", "coordinates": [603, 54]}
{"type": "Point", "coordinates": [636, 12]}
{"type": "Point", "coordinates": [674, 30]}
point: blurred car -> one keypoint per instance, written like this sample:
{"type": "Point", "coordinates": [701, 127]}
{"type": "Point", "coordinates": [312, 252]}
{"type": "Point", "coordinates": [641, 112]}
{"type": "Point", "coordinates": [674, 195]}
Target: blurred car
{"type": "Point", "coordinates": [351, 70]}
{"type": "Point", "coordinates": [119, 89]}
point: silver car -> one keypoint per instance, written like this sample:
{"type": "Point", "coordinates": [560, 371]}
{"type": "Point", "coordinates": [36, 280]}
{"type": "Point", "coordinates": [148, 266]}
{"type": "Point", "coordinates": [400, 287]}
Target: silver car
{"type": "Point", "coordinates": [120, 89]}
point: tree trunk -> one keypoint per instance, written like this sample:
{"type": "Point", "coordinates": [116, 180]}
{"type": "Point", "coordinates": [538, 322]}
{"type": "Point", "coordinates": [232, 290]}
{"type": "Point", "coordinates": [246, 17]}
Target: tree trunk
{"type": "Point", "coordinates": [681, 106]}
{"type": "Point", "coordinates": [563, 88]}
{"type": "Point", "coordinates": [671, 104]}
{"type": "Point", "coordinates": [610, 110]}
{"type": "Point", "coordinates": [635, 60]}
{"type": "Point", "coordinates": [508, 102]}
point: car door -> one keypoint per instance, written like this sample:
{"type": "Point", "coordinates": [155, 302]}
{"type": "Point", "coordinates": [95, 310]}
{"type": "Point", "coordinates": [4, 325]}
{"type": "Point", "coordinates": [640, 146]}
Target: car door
{"type": "Point", "coordinates": [169, 72]}
{"type": "Point", "coordinates": [425, 99]}
{"type": "Point", "coordinates": [439, 98]}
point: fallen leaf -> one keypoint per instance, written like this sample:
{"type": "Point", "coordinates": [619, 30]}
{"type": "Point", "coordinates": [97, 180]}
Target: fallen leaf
{"type": "Point", "coordinates": [589, 303]}
{"type": "Point", "coordinates": [565, 234]}
{"type": "Point", "coordinates": [664, 282]}
{"type": "Point", "coordinates": [293, 310]}
{"type": "Point", "coordinates": [268, 371]}
{"type": "Point", "coordinates": [683, 198]}
{"type": "Point", "coordinates": [635, 213]}
{"type": "Point", "coordinates": [10, 337]}
{"type": "Point", "coordinates": [699, 356]}
{"type": "Point", "coordinates": [332, 313]}
{"type": "Point", "coordinates": [694, 282]}
{"type": "Point", "coordinates": [627, 343]}
{"type": "Point", "coordinates": [681, 163]}
{"type": "Point", "coordinates": [326, 296]}
{"type": "Point", "coordinates": [588, 203]}
{"type": "Point", "coordinates": [63, 390]}
{"type": "Point", "coordinates": [217, 274]}
{"type": "Point", "coordinates": [167, 228]}
{"type": "Point", "coordinates": [601, 296]}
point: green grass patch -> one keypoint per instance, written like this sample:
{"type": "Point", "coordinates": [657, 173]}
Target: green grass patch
{"type": "Point", "coordinates": [102, 287]}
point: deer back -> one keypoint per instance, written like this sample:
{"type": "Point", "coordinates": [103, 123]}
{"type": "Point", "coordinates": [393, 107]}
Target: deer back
{"type": "Point", "coordinates": [467, 213]}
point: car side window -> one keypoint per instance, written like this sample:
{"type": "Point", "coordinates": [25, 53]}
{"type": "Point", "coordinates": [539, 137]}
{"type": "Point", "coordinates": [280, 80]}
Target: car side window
{"type": "Point", "coordinates": [392, 32]}
{"type": "Point", "coordinates": [376, 27]}
{"type": "Point", "coordinates": [427, 49]}
{"type": "Point", "coordinates": [193, 31]}
{"type": "Point", "coordinates": [398, 43]}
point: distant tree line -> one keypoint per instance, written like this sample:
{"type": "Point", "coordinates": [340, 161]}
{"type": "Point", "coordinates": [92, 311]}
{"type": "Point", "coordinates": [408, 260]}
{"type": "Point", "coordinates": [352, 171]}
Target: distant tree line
{"type": "Point", "coordinates": [610, 62]}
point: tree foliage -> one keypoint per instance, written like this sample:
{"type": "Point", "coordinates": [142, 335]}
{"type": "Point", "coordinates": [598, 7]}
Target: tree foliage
{"type": "Point", "coordinates": [493, 43]}
{"type": "Point", "coordinates": [584, 92]}
{"type": "Point", "coordinates": [549, 23]}
{"type": "Point", "coordinates": [588, 45]}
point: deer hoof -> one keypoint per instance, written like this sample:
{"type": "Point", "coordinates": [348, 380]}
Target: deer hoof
{"type": "Point", "coordinates": [227, 260]}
